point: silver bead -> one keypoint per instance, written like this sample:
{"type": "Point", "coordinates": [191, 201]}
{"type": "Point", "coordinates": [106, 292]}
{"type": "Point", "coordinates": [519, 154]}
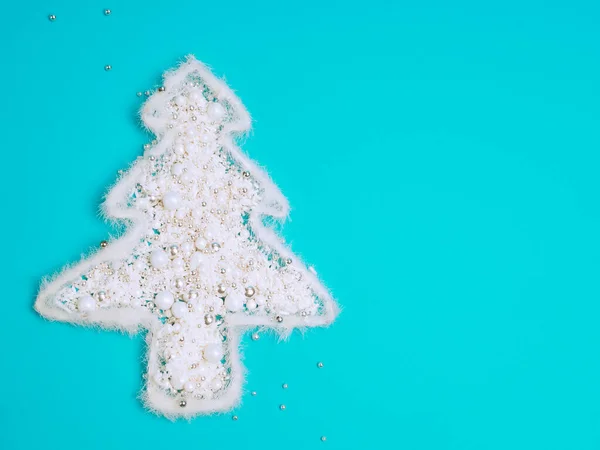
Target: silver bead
{"type": "Point", "coordinates": [208, 319]}
{"type": "Point", "coordinates": [139, 94]}
{"type": "Point", "coordinates": [215, 246]}
{"type": "Point", "coordinates": [323, 438]}
{"type": "Point", "coordinates": [161, 89]}
{"type": "Point", "coordinates": [282, 407]}
{"type": "Point", "coordinates": [279, 319]}
{"type": "Point", "coordinates": [284, 385]}
{"type": "Point", "coordinates": [179, 283]}
{"type": "Point", "coordinates": [255, 336]}
{"type": "Point", "coordinates": [303, 313]}
{"type": "Point", "coordinates": [182, 403]}
{"type": "Point", "coordinates": [103, 244]}
{"type": "Point", "coordinates": [249, 291]}
{"type": "Point", "coordinates": [253, 393]}
{"type": "Point", "coordinates": [107, 67]}
{"type": "Point", "coordinates": [288, 261]}
{"type": "Point", "coordinates": [221, 290]}
{"type": "Point", "coordinates": [320, 365]}
{"type": "Point", "coordinates": [174, 249]}
{"type": "Point", "coordinates": [101, 296]}
{"type": "Point", "coordinates": [52, 17]}
{"type": "Point", "coordinates": [223, 271]}
{"type": "Point", "coordinates": [246, 174]}
{"type": "Point", "coordinates": [235, 417]}
{"type": "Point", "coordinates": [107, 12]}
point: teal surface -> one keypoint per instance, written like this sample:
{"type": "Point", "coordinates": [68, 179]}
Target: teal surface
{"type": "Point", "coordinates": [441, 161]}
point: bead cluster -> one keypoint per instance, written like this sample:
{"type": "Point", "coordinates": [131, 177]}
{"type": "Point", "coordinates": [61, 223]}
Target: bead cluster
{"type": "Point", "coordinates": [200, 263]}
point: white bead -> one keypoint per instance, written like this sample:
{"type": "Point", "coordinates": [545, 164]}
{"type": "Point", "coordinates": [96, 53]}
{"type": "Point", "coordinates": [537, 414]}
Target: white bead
{"type": "Point", "coordinates": [216, 384]}
{"type": "Point", "coordinates": [189, 386]}
{"type": "Point", "coordinates": [171, 200]}
{"type": "Point", "coordinates": [196, 260]}
{"type": "Point", "coordinates": [180, 100]}
{"type": "Point", "coordinates": [215, 111]}
{"type": "Point", "coordinates": [213, 353]}
{"type": "Point", "coordinates": [181, 213]}
{"type": "Point", "coordinates": [251, 304]}
{"type": "Point", "coordinates": [234, 302]}
{"type": "Point", "coordinates": [179, 149]}
{"type": "Point", "coordinates": [187, 248]}
{"type": "Point", "coordinates": [86, 304]}
{"type": "Point", "coordinates": [178, 264]}
{"type": "Point", "coordinates": [164, 300]}
{"type": "Point", "coordinates": [178, 380]}
{"type": "Point", "coordinates": [201, 243]}
{"type": "Point", "coordinates": [176, 327]}
{"type": "Point", "coordinates": [179, 309]}
{"type": "Point", "coordinates": [197, 214]}
{"type": "Point", "coordinates": [159, 259]}
{"type": "Point", "coordinates": [186, 178]}
{"type": "Point", "coordinates": [177, 169]}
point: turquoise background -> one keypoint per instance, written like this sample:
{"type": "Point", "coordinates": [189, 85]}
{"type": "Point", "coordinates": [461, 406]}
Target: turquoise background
{"type": "Point", "coordinates": [441, 161]}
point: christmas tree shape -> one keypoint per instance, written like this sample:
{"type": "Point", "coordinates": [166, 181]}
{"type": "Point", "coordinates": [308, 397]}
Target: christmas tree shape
{"type": "Point", "coordinates": [199, 262]}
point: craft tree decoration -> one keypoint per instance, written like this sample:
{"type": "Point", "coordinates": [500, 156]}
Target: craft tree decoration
{"type": "Point", "coordinates": [198, 263]}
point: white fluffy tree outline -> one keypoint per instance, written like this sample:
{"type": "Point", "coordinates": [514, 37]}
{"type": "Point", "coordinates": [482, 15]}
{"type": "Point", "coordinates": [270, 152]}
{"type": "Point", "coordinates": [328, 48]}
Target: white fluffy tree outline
{"type": "Point", "coordinates": [197, 264]}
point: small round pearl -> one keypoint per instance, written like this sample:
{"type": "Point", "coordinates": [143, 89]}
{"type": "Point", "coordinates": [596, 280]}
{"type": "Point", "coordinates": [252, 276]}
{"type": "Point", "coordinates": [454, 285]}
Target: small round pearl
{"type": "Point", "coordinates": [282, 407]}
{"type": "Point", "coordinates": [323, 438]}
{"type": "Point", "coordinates": [104, 244]}
{"type": "Point", "coordinates": [101, 296]}
{"type": "Point", "coordinates": [234, 302]}
{"type": "Point", "coordinates": [196, 260]}
{"type": "Point", "coordinates": [216, 111]}
{"type": "Point", "coordinates": [107, 67]}
{"type": "Point", "coordinates": [180, 213]}
{"type": "Point", "coordinates": [251, 304]}
{"type": "Point", "coordinates": [187, 248]}
{"type": "Point", "coordinates": [213, 353]}
{"type": "Point", "coordinates": [174, 249]}
{"type": "Point", "coordinates": [179, 283]}
{"type": "Point", "coordinates": [86, 304]}
{"type": "Point", "coordinates": [255, 336]}
{"type": "Point", "coordinates": [216, 384]}
{"type": "Point", "coordinates": [221, 290]}
{"type": "Point", "coordinates": [164, 300]}
{"type": "Point", "coordinates": [178, 264]}
{"type": "Point", "coordinates": [180, 100]}
{"type": "Point", "coordinates": [172, 200]}
{"type": "Point", "coordinates": [215, 246]}
{"type": "Point", "coordinates": [178, 380]}
{"type": "Point", "coordinates": [179, 149]}
{"type": "Point", "coordinates": [208, 319]}
{"type": "Point", "coordinates": [179, 309]}
{"type": "Point", "coordinates": [52, 17]}
{"type": "Point", "coordinates": [159, 259]}
{"type": "Point", "coordinates": [201, 243]}
{"type": "Point", "coordinates": [279, 319]}
{"type": "Point", "coordinates": [107, 12]}
{"type": "Point", "coordinates": [320, 365]}
{"type": "Point", "coordinates": [249, 291]}
{"type": "Point", "coordinates": [234, 418]}
{"type": "Point", "coordinates": [189, 386]}
{"type": "Point", "coordinates": [284, 385]}
{"type": "Point", "coordinates": [253, 393]}
{"type": "Point", "coordinates": [182, 403]}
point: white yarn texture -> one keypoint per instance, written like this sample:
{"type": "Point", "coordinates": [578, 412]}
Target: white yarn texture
{"type": "Point", "coordinates": [198, 263]}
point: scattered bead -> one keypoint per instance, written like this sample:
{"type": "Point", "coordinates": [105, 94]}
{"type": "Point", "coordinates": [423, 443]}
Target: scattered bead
{"type": "Point", "coordinates": [320, 365]}
{"type": "Point", "coordinates": [279, 319]}
{"type": "Point", "coordinates": [323, 438]}
{"type": "Point", "coordinates": [235, 417]}
{"type": "Point", "coordinates": [253, 393]}
{"type": "Point", "coordinates": [107, 12]}
{"type": "Point", "coordinates": [182, 403]}
{"type": "Point", "coordinates": [284, 385]}
{"type": "Point", "coordinates": [52, 17]}
{"type": "Point", "coordinates": [255, 336]}
{"type": "Point", "coordinates": [249, 291]}
{"type": "Point", "coordinates": [107, 67]}
{"type": "Point", "coordinates": [103, 244]}
{"type": "Point", "coordinates": [282, 407]}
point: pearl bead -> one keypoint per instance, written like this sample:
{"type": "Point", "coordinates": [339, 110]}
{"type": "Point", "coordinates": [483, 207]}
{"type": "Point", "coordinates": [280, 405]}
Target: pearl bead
{"type": "Point", "coordinates": [251, 304]}
{"type": "Point", "coordinates": [282, 407]}
{"type": "Point", "coordinates": [215, 246]}
{"type": "Point", "coordinates": [196, 260]}
{"type": "Point", "coordinates": [208, 319]}
{"type": "Point", "coordinates": [187, 248]}
{"type": "Point", "coordinates": [320, 365]}
{"type": "Point", "coordinates": [179, 309]}
{"type": "Point", "coordinates": [182, 403]}
{"type": "Point", "coordinates": [234, 418]}
{"type": "Point", "coordinates": [216, 384]}
{"type": "Point", "coordinates": [213, 353]}
{"type": "Point", "coordinates": [178, 264]}
{"type": "Point", "coordinates": [52, 17]}
{"type": "Point", "coordinates": [176, 327]}
{"type": "Point", "coordinates": [101, 296]}
{"type": "Point", "coordinates": [255, 336]}
{"type": "Point", "coordinates": [180, 100]}
{"type": "Point", "coordinates": [189, 386]}
{"type": "Point", "coordinates": [201, 243]}
{"type": "Point", "coordinates": [179, 283]}
{"type": "Point", "coordinates": [253, 393]}
{"type": "Point", "coordinates": [221, 290]}
{"type": "Point", "coordinates": [164, 300]}
{"type": "Point", "coordinates": [177, 169]}
{"type": "Point", "coordinates": [323, 438]}
{"type": "Point", "coordinates": [234, 302]}
{"type": "Point", "coordinates": [284, 385]}
{"type": "Point", "coordinates": [279, 319]}
{"type": "Point", "coordinates": [159, 259]}
{"type": "Point", "coordinates": [178, 380]}
{"type": "Point", "coordinates": [172, 200]}
{"type": "Point", "coordinates": [181, 213]}
{"type": "Point", "coordinates": [104, 244]}
{"type": "Point", "coordinates": [186, 178]}
{"type": "Point", "coordinates": [216, 111]}
{"type": "Point", "coordinates": [107, 12]}
{"type": "Point", "coordinates": [179, 149]}
{"type": "Point", "coordinates": [86, 304]}
{"type": "Point", "coordinates": [107, 67]}
{"type": "Point", "coordinates": [249, 291]}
